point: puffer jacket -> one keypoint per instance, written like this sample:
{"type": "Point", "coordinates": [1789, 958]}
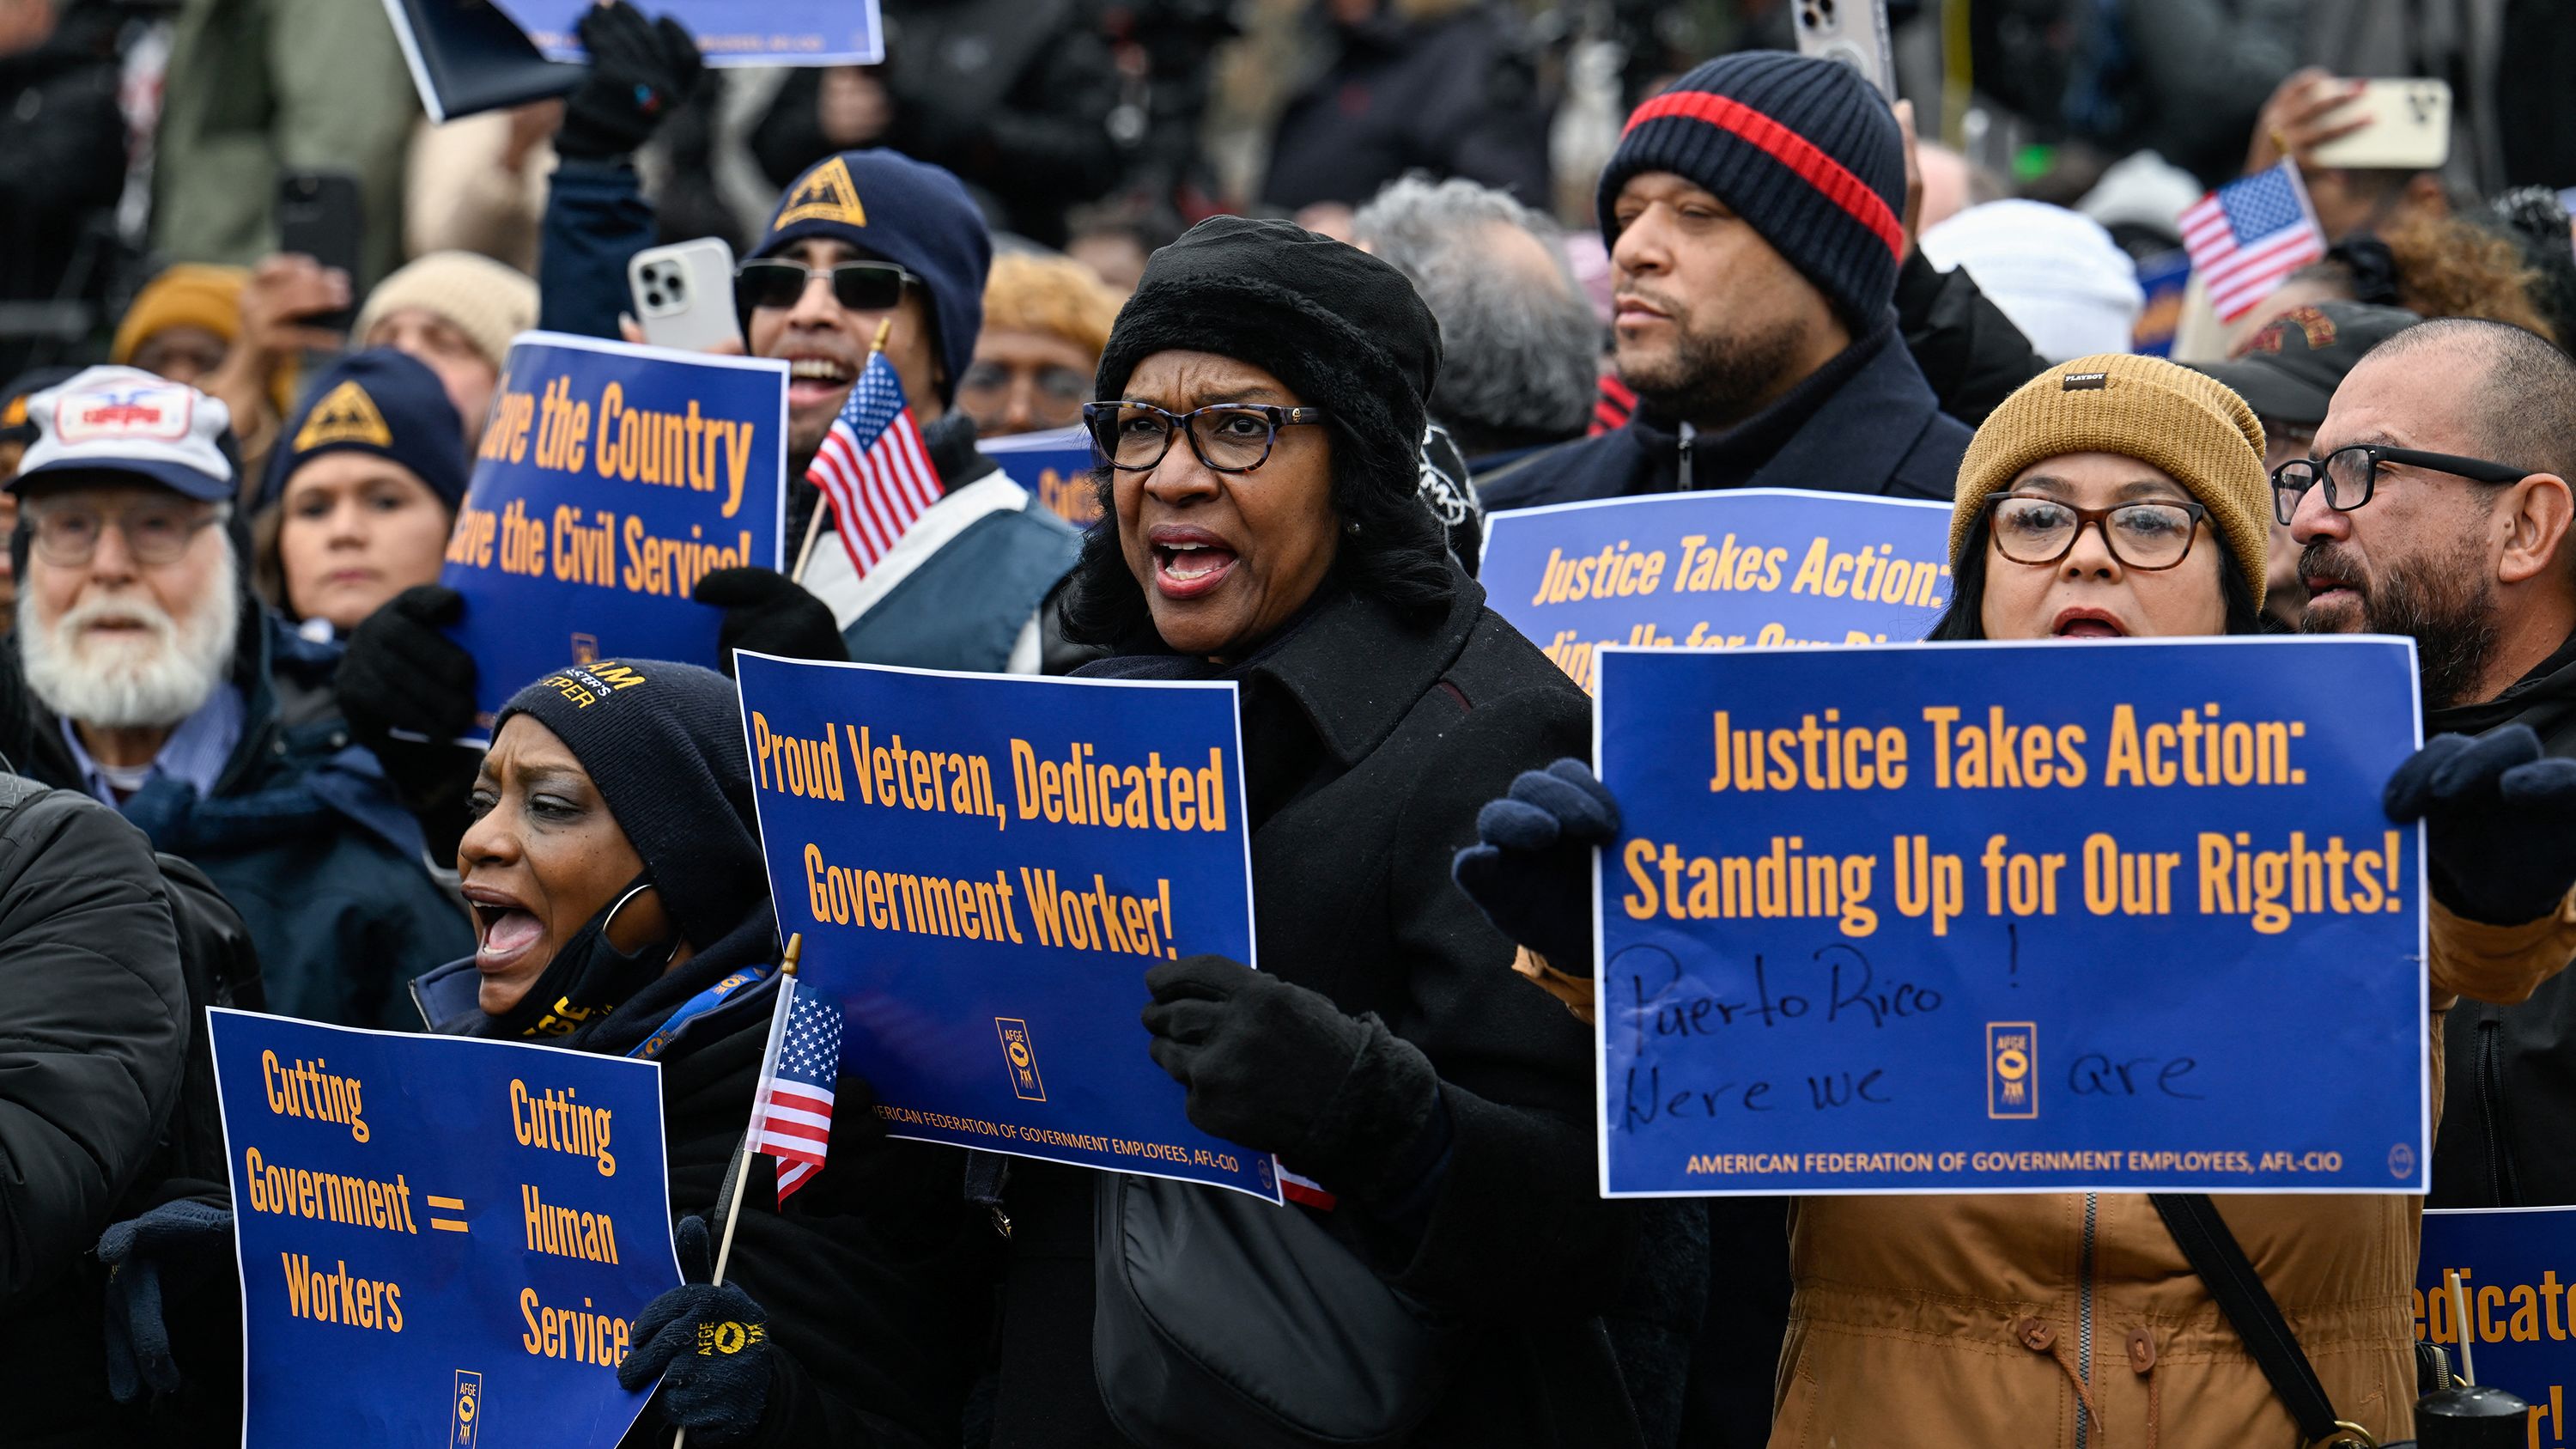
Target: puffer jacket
{"type": "Point", "coordinates": [1967, 1322]}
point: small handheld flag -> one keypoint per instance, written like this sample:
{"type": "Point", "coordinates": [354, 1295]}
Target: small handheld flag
{"type": "Point", "coordinates": [2247, 236]}
{"type": "Point", "coordinates": [796, 1083]}
{"type": "Point", "coordinates": [873, 465]}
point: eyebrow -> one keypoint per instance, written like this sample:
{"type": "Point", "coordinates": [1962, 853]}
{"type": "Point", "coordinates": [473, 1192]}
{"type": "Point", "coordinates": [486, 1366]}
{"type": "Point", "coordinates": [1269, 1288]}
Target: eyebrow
{"type": "Point", "coordinates": [1255, 393]}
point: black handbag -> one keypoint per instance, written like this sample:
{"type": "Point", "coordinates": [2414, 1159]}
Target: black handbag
{"type": "Point", "coordinates": [1222, 1320]}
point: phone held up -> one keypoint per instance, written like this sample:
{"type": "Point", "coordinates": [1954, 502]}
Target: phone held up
{"type": "Point", "coordinates": [683, 294]}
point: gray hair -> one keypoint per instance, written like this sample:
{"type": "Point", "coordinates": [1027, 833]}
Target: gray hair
{"type": "Point", "coordinates": [1520, 363]}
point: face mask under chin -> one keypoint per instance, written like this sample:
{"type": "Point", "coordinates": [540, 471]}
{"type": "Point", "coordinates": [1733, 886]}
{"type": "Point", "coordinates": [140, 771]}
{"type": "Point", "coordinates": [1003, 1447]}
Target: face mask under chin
{"type": "Point", "coordinates": [588, 978]}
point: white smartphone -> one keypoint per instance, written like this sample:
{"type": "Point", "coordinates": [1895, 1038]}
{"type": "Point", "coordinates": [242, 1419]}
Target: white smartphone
{"type": "Point", "coordinates": [2408, 128]}
{"type": "Point", "coordinates": [1853, 32]}
{"type": "Point", "coordinates": [683, 294]}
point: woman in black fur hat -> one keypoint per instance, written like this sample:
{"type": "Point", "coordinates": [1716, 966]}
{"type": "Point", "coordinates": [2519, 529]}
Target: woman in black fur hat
{"type": "Point", "coordinates": [1262, 410]}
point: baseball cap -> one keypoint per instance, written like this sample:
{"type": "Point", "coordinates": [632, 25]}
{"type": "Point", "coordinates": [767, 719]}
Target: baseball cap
{"type": "Point", "coordinates": [126, 420]}
{"type": "Point", "coordinates": [2290, 369]}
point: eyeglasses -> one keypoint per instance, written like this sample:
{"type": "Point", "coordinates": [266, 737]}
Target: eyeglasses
{"type": "Point", "coordinates": [1228, 437]}
{"type": "Point", "coordinates": [857, 286]}
{"type": "Point", "coordinates": [2032, 529]}
{"type": "Point", "coordinates": [1056, 394]}
{"type": "Point", "coordinates": [2351, 473]}
{"type": "Point", "coordinates": [67, 534]}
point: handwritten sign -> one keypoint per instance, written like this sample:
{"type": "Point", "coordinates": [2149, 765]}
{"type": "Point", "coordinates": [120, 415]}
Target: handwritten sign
{"type": "Point", "coordinates": [730, 32]}
{"type": "Point", "coordinates": [611, 478]}
{"type": "Point", "coordinates": [984, 867]}
{"type": "Point", "coordinates": [2517, 1270]}
{"type": "Point", "coordinates": [442, 1240]}
{"type": "Point", "coordinates": [1750, 566]}
{"type": "Point", "coordinates": [1994, 917]}
{"type": "Point", "coordinates": [1056, 465]}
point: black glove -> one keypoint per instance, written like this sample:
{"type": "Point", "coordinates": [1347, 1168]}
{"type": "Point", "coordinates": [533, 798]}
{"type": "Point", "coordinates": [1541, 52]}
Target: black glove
{"type": "Point", "coordinates": [767, 612]}
{"type": "Point", "coordinates": [400, 672]}
{"type": "Point", "coordinates": [640, 71]}
{"type": "Point", "coordinates": [709, 1346]}
{"type": "Point", "coordinates": [177, 1241]}
{"type": "Point", "coordinates": [1281, 1069]}
{"type": "Point", "coordinates": [1531, 873]}
{"type": "Point", "coordinates": [2499, 822]}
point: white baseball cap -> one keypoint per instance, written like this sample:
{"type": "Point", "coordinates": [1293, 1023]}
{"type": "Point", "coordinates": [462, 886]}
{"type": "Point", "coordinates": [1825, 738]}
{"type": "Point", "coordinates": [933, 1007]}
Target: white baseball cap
{"type": "Point", "coordinates": [125, 420]}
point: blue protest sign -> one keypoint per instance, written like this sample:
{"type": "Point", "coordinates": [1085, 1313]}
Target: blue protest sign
{"type": "Point", "coordinates": [730, 32]}
{"type": "Point", "coordinates": [2517, 1270]}
{"type": "Point", "coordinates": [1745, 566]}
{"type": "Point", "coordinates": [2123, 916]}
{"type": "Point", "coordinates": [442, 1240]}
{"type": "Point", "coordinates": [611, 478]}
{"type": "Point", "coordinates": [984, 867]}
{"type": "Point", "coordinates": [1056, 465]}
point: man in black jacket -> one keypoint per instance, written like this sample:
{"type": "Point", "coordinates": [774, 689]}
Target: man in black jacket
{"type": "Point", "coordinates": [1754, 214]}
{"type": "Point", "coordinates": [2481, 572]}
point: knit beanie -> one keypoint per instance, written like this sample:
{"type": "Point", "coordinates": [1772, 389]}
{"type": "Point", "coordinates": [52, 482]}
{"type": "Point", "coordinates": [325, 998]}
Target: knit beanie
{"type": "Point", "coordinates": [1344, 330]}
{"type": "Point", "coordinates": [1053, 296]}
{"type": "Point", "coordinates": [489, 302]}
{"type": "Point", "coordinates": [378, 401]}
{"type": "Point", "coordinates": [185, 295]}
{"type": "Point", "coordinates": [663, 742]}
{"type": "Point", "coordinates": [911, 213]}
{"type": "Point", "coordinates": [2161, 413]}
{"type": "Point", "coordinates": [1802, 149]}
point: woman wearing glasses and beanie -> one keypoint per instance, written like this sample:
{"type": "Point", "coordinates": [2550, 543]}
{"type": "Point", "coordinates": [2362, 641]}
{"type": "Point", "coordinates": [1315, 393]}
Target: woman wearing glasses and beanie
{"type": "Point", "coordinates": [1261, 408]}
{"type": "Point", "coordinates": [2110, 497]}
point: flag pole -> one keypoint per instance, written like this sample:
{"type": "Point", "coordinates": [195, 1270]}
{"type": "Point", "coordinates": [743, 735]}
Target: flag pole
{"type": "Point", "coordinates": [823, 504]}
{"type": "Point", "coordinates": [729, 1200]}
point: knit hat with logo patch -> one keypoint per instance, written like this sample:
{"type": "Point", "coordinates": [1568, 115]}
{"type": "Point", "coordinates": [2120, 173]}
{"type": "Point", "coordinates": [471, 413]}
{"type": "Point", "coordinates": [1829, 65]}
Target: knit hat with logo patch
{"type": "Point", "coordinates": [378, 401]}
{"type": "Point", "coordinates": [911, 213]}
{"type": "Point", "coordinates": [1802, 149]}
{"type": "Point", "coordinates": [2161, 413]}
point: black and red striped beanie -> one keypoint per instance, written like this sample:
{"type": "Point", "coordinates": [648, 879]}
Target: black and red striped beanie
{"type": "Point", "coordinates": [1802, 149]}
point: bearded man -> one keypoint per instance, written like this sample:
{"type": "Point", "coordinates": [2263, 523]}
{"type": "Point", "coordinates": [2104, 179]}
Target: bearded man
{"type": "Point", "coordinates": [2438, 505]}
{"type": "Point", "coordinates": [156, 682]}
{"type": "Point", "coordinates": [1754, 218]}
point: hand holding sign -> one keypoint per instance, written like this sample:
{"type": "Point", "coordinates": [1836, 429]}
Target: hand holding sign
{"type": "Point", "coordinates": [2500, 822]}
{"type": "Point", "coordinates": [709, 1346]}
{"type": "Point", "coordinates": [1530, 871]}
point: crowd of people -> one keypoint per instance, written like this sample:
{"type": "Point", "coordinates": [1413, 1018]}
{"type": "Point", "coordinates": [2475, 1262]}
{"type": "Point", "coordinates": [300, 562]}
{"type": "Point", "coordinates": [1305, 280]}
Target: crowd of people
{"type": "Point", "coordinates": [230, 688]}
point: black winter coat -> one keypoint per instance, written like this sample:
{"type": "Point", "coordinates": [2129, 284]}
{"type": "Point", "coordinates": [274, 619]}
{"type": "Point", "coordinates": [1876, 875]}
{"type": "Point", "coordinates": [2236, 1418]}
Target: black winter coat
{"type": "Point", "coordinates": [93, 1041]}
{"type": "Point", "coordinates": [1450, 96]}
{"type": "Point", "coordinates": [1369, 744]}
{"type": "Point", "coordinates": [859, 1273]}
{"type": "Point", "coordinates": [2509, 1072]}
{"type": "Point", "coordinates": [1865, 422]}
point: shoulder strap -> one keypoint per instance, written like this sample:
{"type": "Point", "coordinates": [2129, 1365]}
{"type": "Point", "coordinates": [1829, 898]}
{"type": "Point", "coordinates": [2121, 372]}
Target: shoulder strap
{"type": "Point", "coordinates": [2222, 1265]}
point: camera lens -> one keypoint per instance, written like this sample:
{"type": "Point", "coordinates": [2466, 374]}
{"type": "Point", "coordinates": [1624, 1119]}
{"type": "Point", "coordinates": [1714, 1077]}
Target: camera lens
{"type": "Point", "coordinates": [652, 298]}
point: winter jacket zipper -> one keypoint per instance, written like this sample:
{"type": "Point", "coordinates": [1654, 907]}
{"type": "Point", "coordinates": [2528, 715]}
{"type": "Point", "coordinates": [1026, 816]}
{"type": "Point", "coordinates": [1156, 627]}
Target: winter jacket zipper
{"type": "Point", "coordinates": [2084, 1317]}
{"type": "Point", "coordinates": [1687, 432]}
{"type": "Point", "coordinates": [2490, 1077]}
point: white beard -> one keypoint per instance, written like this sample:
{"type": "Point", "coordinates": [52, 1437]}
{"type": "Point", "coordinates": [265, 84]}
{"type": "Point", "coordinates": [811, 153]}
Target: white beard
{"type": "Point", "coordinates": [144, 680]}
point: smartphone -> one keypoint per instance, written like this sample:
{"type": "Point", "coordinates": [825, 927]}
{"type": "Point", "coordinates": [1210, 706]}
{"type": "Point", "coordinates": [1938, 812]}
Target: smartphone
{"type": "Point", "coordinates": [2407, 127]}
{"type": "Point", "coordinates": [318, 214]}
{"type": "Point", "coordinates": [684, 294]}
{"type": "Point", "coordinates": [1853, 32]}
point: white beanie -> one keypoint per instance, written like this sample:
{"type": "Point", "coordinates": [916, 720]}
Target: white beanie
{"type": "Point", "coordinates": [488, 301]}
{"type": "Point", "coordinates": [2057, 275]}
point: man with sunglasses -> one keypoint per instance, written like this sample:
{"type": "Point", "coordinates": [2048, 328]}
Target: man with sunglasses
{"type": "Point", "coordinates": [2437, 504]}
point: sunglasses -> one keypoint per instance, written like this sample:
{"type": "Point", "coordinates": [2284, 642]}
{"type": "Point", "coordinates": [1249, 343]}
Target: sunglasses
{"type": "Point", "coordinates": [857, 286]}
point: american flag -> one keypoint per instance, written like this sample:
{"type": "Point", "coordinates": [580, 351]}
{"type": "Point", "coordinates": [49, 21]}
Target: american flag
{"type": "Point", "coordinates": [2249, 234]}
{"type": "Point", "coordinates": [796, 1085]}
{"type": "Point", "coordinates": [873, 467]}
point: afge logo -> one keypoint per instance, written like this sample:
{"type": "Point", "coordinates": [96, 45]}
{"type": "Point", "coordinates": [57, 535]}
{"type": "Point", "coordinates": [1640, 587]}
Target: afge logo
{"type": "Point", "coordinates": [465, 1426]}
{"type": "Point", "coordinates": [2012, 1069]}
{"type": "Point", "coordinates": [1021, 1057]}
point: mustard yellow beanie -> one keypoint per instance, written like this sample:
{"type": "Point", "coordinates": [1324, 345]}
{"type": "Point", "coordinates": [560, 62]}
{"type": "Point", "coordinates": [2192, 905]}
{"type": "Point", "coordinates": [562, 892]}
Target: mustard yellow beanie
{"type": "Point", "coordinates": [2183, 422]}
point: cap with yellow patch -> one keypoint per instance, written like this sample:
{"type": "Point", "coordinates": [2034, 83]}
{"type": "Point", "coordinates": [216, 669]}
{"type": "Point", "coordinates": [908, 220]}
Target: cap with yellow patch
{"type": "Point", "coordinates": [892, 208]}
{"type": "Point", "coordinates": [2161, 413]}
{"type": "Point", "coordinates": [378, 401]}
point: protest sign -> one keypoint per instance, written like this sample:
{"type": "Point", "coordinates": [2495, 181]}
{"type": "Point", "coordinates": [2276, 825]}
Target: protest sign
{"type": "Point", "coordinates": [611, 478]}
{"type": "Point", "coordinates": [1745, 566]}
{"type": "Point", "coordinates": [1986, 917]}
{"type": "Point", "coordinates": [1056, 466]}
{"type": "Point", "coordinates": [730, 32]}
{"type": "Point", "coordinates": [984, 867]}
{"type": "Point", "coordinates": [466, 58]}
{"type": "Point", "coordinates": [2517, 1270]}
{"type": "Point", "coordinates": [443, 1240]}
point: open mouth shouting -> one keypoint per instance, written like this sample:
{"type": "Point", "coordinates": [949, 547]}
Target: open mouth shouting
{"type": "Point", "coordinates": [2087, 624]}
{"type": "Point", "coordinates": [507, 929]}
{"type": "Point", "coordinates": [1189, 562]}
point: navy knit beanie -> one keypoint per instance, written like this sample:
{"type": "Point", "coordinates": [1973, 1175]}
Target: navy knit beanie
{"type": "Point", "coordinates": [663, 742]}
{"type": "Point", "coordinates": [911, 213]}
{"type": "Point", "coordinates": [378, 401]}
{"type": "Point", "coordinates": [1802, 149]}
